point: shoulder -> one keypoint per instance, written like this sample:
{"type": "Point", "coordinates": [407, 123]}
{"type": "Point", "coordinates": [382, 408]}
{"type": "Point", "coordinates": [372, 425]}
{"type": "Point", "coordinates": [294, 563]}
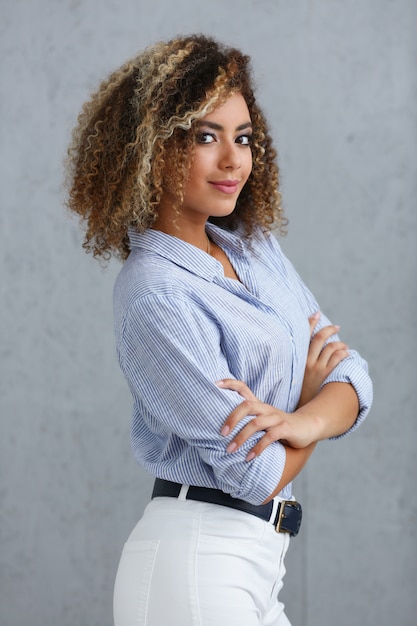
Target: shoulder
{"type": "Point", "coordinates": [141, 274]}
{"type": "Point", "coordinates": [145, 279]}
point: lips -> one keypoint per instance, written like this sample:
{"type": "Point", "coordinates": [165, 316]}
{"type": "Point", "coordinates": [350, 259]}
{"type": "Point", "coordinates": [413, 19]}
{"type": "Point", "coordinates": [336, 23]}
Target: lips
{"type": "Point", "coordinates": [226, 186]}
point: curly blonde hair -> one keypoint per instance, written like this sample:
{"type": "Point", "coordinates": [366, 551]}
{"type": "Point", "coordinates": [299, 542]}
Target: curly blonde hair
{"type": "Point", "coordinates": [142, 115]}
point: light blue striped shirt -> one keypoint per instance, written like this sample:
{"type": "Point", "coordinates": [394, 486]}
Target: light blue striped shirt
{"type": "Point", "coordinates": [181, 326]}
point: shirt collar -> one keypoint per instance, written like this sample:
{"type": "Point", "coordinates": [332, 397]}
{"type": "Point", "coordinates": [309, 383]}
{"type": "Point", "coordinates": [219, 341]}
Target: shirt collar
{"type": "Point", "coordinates": [184, 254]}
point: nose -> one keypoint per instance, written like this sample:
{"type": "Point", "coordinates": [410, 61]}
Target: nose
{"type": "Point", "coordinates": [231, 158]}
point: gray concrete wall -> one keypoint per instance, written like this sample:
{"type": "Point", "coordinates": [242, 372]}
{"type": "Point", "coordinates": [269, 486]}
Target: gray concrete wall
{"type": "Point", "coordinates": [337, 79]}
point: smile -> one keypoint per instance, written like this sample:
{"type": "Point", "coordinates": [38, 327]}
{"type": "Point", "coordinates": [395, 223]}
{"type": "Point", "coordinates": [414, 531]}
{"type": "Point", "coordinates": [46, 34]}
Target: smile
{"type": "Point", "coordinates": [226, 186]}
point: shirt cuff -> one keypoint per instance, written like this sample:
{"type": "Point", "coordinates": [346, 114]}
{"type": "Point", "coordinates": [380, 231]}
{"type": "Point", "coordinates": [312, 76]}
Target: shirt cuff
{"type": "Point", "coordinates": [350, 370]}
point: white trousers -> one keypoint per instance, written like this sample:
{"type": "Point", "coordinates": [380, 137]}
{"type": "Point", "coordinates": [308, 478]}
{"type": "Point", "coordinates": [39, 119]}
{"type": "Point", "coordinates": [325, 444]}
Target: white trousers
{"type": "Point", "coordinates": [192, 563]}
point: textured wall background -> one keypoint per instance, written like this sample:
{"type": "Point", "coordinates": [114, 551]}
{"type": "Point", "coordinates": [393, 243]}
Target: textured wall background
{"type": "Point", "coordinates": [337, 79]}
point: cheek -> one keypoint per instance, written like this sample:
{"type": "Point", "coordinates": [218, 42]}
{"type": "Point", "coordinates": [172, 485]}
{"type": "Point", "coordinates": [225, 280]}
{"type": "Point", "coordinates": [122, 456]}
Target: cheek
{"type": "Point", "coordinates": [248, 165]}
{"type": "Point", "coordinates": [193, 185]}
{"type": "Point", "coordinates": [198, 172]}
{"type": "Point", "coordinates": [201, 163]}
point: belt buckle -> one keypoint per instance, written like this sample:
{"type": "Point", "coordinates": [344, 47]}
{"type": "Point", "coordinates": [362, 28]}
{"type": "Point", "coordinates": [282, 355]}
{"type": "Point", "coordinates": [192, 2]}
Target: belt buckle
{"type": "Point", "coordinates": [282, 516]}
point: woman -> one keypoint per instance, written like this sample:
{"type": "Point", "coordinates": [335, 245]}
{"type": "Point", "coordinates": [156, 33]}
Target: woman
{"type": "Point", "coordinates": [235, 375]}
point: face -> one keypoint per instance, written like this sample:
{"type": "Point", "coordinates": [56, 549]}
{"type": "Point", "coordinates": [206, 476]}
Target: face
{"type": "Point", "coordinates": [221, 163]}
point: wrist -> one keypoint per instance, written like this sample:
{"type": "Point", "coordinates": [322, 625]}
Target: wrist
{"type": "Point", "coordinates": [316, 424]}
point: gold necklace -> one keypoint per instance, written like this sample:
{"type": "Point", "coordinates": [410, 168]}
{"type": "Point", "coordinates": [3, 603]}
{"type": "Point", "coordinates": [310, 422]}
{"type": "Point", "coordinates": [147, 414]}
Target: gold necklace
{"type": "Point", "coordinates": [208, 245]}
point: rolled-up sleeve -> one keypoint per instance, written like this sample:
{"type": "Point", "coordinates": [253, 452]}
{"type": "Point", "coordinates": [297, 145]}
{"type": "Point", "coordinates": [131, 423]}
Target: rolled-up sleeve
{"type": "Point", "coordinates": [354, 370]}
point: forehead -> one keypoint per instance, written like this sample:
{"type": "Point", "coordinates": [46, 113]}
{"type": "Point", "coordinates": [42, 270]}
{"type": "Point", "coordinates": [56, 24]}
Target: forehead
{"type": "Point", "coordinates": [233, 109]}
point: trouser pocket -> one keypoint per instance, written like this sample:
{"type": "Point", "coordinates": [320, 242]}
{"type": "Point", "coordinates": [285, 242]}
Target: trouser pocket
{"type": "Point", "coordinates": [133, 582]}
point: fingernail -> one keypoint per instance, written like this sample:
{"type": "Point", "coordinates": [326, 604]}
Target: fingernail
{"type": "Point", "coordinates": [337, 327]}
{"type": "Point", "coordinates": [231, 447]}
{"type": "Point", "coordinates": [316, 315]}
{"type": "Point", "coordinates": [250, 456]}
{"type": "Point", "coordinates": [220, 383]}
{"type": "Point", "coordinates": [225, 431]}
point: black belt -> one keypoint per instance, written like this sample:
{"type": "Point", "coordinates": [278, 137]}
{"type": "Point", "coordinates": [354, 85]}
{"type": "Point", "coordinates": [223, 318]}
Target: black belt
{"type": "Point", "coordinates": [286, 520]}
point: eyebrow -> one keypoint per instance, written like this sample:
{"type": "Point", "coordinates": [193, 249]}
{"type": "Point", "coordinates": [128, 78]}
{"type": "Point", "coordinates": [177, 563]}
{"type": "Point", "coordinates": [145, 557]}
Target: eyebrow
{"type": "Point", "coordinates": [215, 126]}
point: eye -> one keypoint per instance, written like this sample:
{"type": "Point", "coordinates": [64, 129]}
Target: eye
{"type": "Point", "coordinates": [244, 140]}
{"type": "Point", "coordinates": [205, 138]}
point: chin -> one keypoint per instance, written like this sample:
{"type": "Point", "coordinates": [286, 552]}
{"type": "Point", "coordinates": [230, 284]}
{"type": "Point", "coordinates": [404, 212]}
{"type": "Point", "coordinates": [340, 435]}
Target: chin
{"type": "Point", "coordinates": [224, 213]}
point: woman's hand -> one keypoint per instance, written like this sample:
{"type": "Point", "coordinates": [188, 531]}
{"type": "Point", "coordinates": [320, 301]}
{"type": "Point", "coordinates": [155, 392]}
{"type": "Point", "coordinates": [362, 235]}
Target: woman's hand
{"type": "Point", "coordinates": [321, 359]}
{"type": "Point", "coordinates": [297, 430]}
{"type": "Point", "coordinates": [290, 428]}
